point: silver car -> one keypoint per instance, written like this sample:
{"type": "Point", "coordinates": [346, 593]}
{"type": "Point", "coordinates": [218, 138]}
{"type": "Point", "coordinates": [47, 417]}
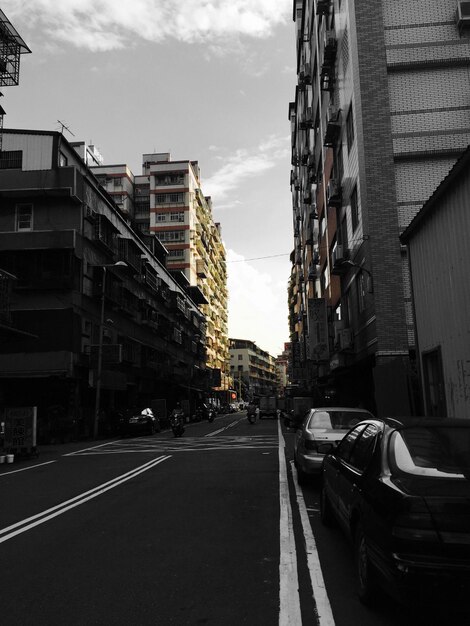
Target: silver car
{"type": "Point", "coordinates": [322, 425]}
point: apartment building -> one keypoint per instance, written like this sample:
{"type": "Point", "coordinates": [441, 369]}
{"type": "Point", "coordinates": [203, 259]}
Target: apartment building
{"type": "Point", "coordinates": [167, 201]}
{"type": "Point", "coordinates": [91, 298]}
{"type": "Point", "coordinates": [253, 370]}
{"type": "Point", "coordinates": [380, 115]}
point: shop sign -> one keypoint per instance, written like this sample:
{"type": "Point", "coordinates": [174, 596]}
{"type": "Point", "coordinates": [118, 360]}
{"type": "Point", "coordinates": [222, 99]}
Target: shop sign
{"type": "Point", "coordinates": [20, 427]}
{"type": "Point", "coordinates": [317, 346]}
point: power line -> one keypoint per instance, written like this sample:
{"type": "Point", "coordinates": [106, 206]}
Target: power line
{"type": "Point", "coordinates": [258, 258]}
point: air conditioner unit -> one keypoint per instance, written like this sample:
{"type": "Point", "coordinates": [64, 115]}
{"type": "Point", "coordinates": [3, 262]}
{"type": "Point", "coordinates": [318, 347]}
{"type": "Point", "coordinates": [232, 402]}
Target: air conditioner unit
{"type": "Point", "coordinates": [91, 213]}
{"type": "Point", "coordinates": [463, 15]}
{"type": "Point", "coordinates": [338, 255]}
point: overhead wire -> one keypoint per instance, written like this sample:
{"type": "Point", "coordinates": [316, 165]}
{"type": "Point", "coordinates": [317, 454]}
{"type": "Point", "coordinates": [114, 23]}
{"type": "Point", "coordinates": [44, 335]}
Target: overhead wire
{"type": "Point", "coordinates": [258, 258]}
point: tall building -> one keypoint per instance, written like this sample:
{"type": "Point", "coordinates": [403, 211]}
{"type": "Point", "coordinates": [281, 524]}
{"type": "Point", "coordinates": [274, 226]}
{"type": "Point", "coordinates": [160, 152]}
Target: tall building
{"type": "Point", "coordinates": [167, 201]}
{"type": "Point", "coordinates": [379, 117]}
{"type": "Point", "coordinates": [100, 321]}
{"type": "Point", "coordinates": [253, 370]}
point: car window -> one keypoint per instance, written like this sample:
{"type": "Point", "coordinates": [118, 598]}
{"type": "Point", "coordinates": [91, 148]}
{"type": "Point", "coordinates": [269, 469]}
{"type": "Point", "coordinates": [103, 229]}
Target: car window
{"type": "Point", "coordinates": [347, 443]}
{"type": "Point", "coordinates": [440, 452]}
{"type": "Point", "coordinates": [363, 450]}
{"type": "Point", "coordinates": [336, 420]}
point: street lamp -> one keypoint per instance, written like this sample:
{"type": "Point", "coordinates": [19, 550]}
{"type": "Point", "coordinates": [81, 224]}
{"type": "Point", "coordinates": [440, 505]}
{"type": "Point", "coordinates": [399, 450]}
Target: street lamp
{"type": "Point", "coordinates": [348, 263]}
{"type": "Point", "coordinates": [100, 344]}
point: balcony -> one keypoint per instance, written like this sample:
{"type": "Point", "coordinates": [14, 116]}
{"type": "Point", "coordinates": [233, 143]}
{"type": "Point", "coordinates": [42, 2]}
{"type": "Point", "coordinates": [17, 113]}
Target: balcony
{"type": "Point", "coordinates": [331, 48]}
{"type": "Point", "coordinates": [333, 127]}
{"type": "Point", "coordinates": [201, 268]}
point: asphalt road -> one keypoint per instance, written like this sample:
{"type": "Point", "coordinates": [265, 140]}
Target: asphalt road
{"type": "Point", "coordinates": [206, 529]}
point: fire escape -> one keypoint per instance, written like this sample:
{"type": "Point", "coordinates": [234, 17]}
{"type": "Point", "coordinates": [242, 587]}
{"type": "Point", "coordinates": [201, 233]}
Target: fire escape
{"type": "Point", "coordinates": [11, 48]}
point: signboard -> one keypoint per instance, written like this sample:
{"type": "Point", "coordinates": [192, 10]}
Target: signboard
{"type": "Point", "coordinates": [318, 343]}
{"type": "Point", "coordinates": [20, 427]}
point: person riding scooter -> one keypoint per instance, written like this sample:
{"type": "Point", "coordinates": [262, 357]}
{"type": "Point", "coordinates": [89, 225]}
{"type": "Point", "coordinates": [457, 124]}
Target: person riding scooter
{"type": "Point", "coordinates": [177, 420]}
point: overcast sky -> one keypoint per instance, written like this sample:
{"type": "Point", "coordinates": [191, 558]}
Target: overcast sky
{"type": "Point", "coordinates": [206, 80]}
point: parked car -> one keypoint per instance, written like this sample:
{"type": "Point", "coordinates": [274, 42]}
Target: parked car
{"type": "Point", "coordinates": [400, 489]}
{"type": "Point", "coordinates": [320, 425]}
{"type": "Point", "coordinates": [138, 420]}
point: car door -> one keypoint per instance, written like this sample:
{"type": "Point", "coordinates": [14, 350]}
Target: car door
{"type": "Point", "coordinates": [351, 469]}
{"type": "Point", "coordinates": [333, 465]}
{"type": "Point", "coordinates": [299, 433]}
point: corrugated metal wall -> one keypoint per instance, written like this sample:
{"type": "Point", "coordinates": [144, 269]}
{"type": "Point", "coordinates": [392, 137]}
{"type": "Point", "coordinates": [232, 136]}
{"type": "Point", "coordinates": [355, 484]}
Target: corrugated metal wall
{"type": "Point", "coordinates": [37, 149]}
{"type": "Point", "coordinates": [440, 263]}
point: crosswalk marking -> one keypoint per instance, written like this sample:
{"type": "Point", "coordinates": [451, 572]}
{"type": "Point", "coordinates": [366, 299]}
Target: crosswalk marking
{"type": "Point", "coordinates": [184, 444]}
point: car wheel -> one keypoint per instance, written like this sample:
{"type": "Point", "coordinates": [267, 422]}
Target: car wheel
{"type": "Point", "coordinates": [366, 586]}
{"type": "Point", "coordinates": [326, 510]}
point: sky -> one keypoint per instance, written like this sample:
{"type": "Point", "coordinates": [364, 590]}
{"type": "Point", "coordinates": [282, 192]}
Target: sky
{"type": "Point", "coordinates": [206, 80]}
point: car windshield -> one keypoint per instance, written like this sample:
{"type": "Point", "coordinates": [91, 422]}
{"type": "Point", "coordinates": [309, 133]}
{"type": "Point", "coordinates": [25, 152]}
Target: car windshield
{"type": "Point", "coordinates": [336, 420]}
{"type": "Point", "coordinates": [437, 452]}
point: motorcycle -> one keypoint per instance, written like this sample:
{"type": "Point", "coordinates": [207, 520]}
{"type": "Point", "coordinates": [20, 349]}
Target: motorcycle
{"type": "Point", "coordinates": [252, 415]}
{"type": "Point", "coordinates": [211, 415]}
{"type": "Point", "coordinates": [177, 426]}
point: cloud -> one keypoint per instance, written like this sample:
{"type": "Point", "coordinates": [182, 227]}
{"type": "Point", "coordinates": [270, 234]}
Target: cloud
{"type": "Point", "coordinates": [245, 163]}
{"type": "Point", "coordinates": [257, 305]}
{"type": "Point", "coordinates": [110, 24]}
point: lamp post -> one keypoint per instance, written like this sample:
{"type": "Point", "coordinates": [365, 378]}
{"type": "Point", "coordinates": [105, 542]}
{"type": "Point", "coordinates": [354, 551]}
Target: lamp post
{"type": "Point", "coordinates": [348, 263]}
{"type": "Point", "coordinates": [100, 345]}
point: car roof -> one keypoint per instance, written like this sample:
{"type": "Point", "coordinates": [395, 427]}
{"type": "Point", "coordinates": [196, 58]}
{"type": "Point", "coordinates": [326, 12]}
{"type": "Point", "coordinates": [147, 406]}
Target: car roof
{"type": "Point", "coordinates": [434, 422]}
{"type": "Point", "coordinates": [340, 408]}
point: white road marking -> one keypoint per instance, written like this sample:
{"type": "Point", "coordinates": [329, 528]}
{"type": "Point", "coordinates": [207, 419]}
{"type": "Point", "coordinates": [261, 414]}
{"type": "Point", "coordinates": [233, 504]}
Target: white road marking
{"type": "Point", "coordinates": [289, 601]}
{"type": "Point", "coordinates": [27, 468]}
{"type": "Point", "coordinates": [325, 615]}
{"type": "Point", "coordinates": [101, 445]}
{"type": "Point", "coordinates": [221, 430]}
{"type": "Point", "coordinates": [20, 527]}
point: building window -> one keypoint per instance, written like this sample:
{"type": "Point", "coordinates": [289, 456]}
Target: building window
{"type": "Point", "coordinates": [63, 161]}
{"type": "Point", "coordinates": [176, 253]}
{"type": "Point", "coordinates": [11, 159]}
{"type": "Point", "coordinates": [117, 182]}
{"type": "Point", "coordinates": [171, 235]}
{"type": "Point", "coordinates": [350, 128]}
{"type": "Point", "coordinates": [24, 217]}
{"type": "Point", "coordinates": [169, 179]}
{"type": "Point", "coordinates": [354, 209]}
{"type": "Point", "coordinates": [169, 198]}
{"type": "Point", "coordinates": [161, 217]}
{"type": "Point", "coordinates": [177, 217]}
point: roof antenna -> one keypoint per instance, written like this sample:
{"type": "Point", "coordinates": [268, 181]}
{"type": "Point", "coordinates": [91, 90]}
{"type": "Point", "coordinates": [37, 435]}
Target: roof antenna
{"type": "Point", "coordinates": [64, 126]}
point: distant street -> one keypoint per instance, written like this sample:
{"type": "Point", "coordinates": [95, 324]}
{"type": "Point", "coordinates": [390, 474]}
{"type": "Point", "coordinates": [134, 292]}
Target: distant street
{"type": "Point", "coordinates": [156, 531]}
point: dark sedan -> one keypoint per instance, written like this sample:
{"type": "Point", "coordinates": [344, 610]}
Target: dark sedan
{"type": "Point", "coordinates": [400, 489]}
{"type": "Point", "coordinates": [139, 421]}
